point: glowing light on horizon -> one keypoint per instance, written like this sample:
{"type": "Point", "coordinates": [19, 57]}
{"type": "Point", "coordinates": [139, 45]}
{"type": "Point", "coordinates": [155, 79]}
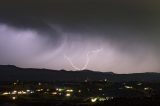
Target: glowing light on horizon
{"type": "Point", "coordinates": [69, 90]}
{"type": "Point", "coordinates": [54, 93]}
{"type": "Point", "coordinates": [79, 91]}
{"type": "Point", "coordinates": [100, 89]}
{"type": "Point", "coordinates": [100, 99]}
{"type": "Point", "coordinates": [6, 93]}
{"type": "Point", "coordinates": [68, 94]}
{"type": "Point", "coordinates": [128, 87]}
{"type": "Point", "coordinates": [14, 92]}
{"type": "Point", "coordinates": [59, 89]}
{"type": "Point", "coordinates": [147, 88]}
{"type": "Point", "coordinates": [93, 100]}
{"type": "Point", "coordinates": [13, 98]}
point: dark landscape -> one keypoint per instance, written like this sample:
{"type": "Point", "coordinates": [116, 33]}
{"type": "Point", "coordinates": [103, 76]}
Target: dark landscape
{"type": "Point", "coordinates": [12, 73]}
{"type": "Point", "coordinates": [22, 87]}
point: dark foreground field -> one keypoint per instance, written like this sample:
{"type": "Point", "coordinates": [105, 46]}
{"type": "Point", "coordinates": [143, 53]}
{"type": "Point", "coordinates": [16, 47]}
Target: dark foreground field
{"type": "Point", "coordinates": [114, 102]}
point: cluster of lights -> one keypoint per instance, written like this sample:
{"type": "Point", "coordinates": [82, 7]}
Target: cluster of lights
{"type": "Point", "coordinates": [128, 87]}
{"type": "Point", "coordinates": [54, 93]}
{"type": "Point", "coordinates": [14, 92]}
{"type": "Point", "coordinates": [39, 90]}
{"type": "Point", "coordinates": [62, 90]}
{"type": "Point", "coordinates": [69, 90]}
{"type": "Point", "coordinates": [68, 94]}
{"type": "Point", "coordinates": [6, 93]}
{"type": "Point", "coordinates": [139, 84]}
{"type": "Point", "coordinates": [79, 91]}
{"type": "Point", "coordinates": [59, 89]}
{"type": "Point", "coordinates": [100, 89]}
{"type": "Point", "coordinates": [22, 92]}
{"type": "Point", "coordinates": [100, 99]}
{"type": "Point", "coordinates": [18, 92]}
{"type": "Point", "coordinates": [147, 88]}
{"type": "Point", "coordinates": [14, 98]}
{"type": "Point", "coordinates": [93, 100]}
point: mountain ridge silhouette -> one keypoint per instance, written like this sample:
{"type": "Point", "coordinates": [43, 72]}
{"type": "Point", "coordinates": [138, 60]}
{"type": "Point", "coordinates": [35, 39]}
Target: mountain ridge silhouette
{"type": "Point", "coordinates": [12, 73]}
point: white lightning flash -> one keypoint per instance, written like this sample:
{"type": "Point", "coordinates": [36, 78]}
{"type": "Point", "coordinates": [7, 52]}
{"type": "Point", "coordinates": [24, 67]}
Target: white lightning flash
{"type": "Point", "coordinates": [87, 59]}
{"type": "Point", "coordinates": [71, 63]}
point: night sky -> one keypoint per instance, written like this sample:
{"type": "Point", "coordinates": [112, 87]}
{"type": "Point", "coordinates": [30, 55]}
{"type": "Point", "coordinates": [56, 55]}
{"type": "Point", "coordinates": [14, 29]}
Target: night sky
{"type": "Point", "coordinates": [122, 36]}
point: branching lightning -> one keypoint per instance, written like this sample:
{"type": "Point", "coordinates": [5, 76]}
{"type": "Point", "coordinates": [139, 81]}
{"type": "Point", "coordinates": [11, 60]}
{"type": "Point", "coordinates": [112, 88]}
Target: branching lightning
{"type": "Point", "coordinates": [87, 59]}
{"type": "Point", "coordinates": [71, 63]}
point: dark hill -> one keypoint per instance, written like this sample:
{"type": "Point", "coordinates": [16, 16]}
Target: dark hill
{"type": "Point", "coordinates": [10, 73]}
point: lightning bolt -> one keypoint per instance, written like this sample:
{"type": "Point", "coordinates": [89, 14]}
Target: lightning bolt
{"type": "Point", "coordinates": [87, 59]}
{"type": "Point", "coordinates": [71, 63]}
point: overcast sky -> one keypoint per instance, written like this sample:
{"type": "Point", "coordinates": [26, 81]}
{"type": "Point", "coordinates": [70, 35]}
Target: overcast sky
{"type": "Point", "coordinates": [122, 36]}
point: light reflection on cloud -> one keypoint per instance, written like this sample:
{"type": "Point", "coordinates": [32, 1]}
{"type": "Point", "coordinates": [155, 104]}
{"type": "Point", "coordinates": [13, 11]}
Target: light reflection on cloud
{"type": "Point", "coordinates": [28, 48]}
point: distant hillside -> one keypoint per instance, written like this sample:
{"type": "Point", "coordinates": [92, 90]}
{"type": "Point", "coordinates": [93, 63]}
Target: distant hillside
{"type": "Point", "coordinates": [10, 73]}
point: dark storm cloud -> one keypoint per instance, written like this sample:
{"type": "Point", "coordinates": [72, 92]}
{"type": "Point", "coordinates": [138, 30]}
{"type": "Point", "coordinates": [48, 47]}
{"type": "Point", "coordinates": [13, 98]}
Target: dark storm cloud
{"type": "Point", "coordinates": [130, 27]}
{"type": "Point", "coordinates": [104, 16]}
{"type": "Point", "coordinates": [77, 14]}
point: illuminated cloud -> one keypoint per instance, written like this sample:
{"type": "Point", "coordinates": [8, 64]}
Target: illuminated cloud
{"type": "Point", "coordinates": [40, 38]}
